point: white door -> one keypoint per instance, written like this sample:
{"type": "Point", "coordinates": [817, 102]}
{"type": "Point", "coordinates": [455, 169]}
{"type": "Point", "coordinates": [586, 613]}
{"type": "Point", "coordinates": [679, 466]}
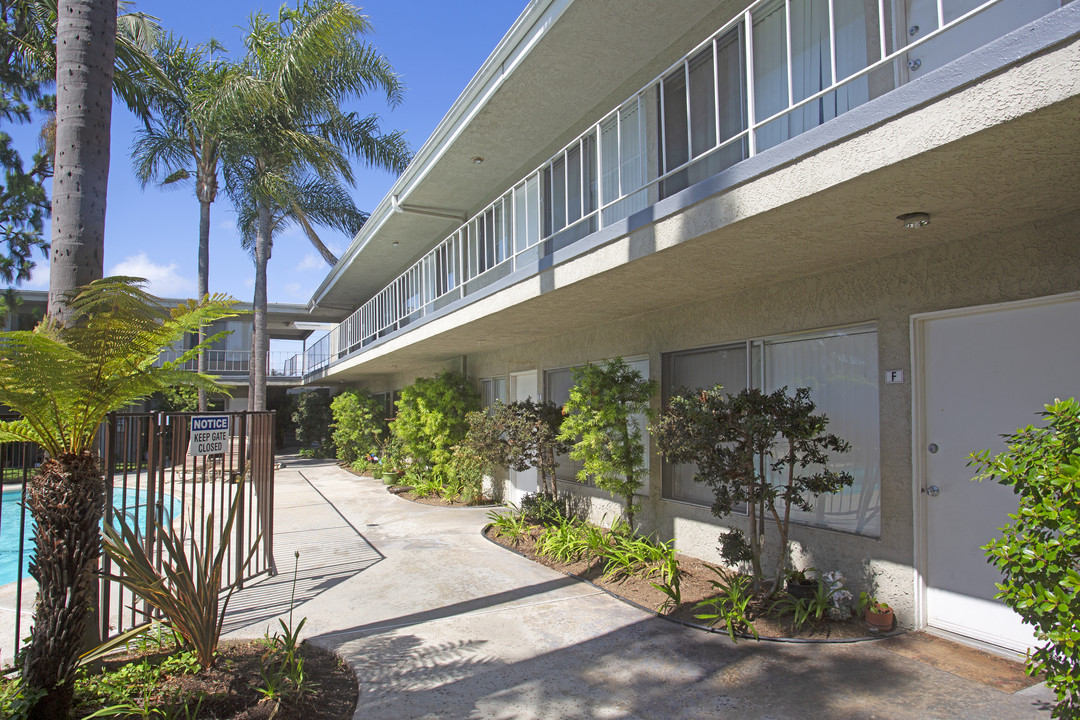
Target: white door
{"type": "Point", "coordinates": [523, 386]}
{"type": "Point", "coordinates": [985, 373]}
{"type": "Point", "coordinates": [976, 31]}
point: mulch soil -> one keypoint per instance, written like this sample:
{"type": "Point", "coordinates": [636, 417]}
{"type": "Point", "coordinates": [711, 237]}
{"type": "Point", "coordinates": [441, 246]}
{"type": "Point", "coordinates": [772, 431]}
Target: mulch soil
{"type": "Point", "coordinates": [230, 687]}
{"type": "Point", "coordinates": [695, 586]}
{"type": "Point", "coordinates": [973, 664]}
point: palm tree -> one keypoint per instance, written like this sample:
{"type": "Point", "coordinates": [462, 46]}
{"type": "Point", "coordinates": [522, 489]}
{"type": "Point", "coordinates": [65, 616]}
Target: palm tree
{"type": "Point", "coordinates": [176, 144]}
{"type": "Point", "coordinates": [63, 380]}
{"type": "Point", "coordinates": [290, 131]}
{"type": "Point", "coordinates": [85, 58]}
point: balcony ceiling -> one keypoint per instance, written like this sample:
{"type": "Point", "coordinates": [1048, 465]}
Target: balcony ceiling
{"type": "Point", "coordinates": [572, 76]}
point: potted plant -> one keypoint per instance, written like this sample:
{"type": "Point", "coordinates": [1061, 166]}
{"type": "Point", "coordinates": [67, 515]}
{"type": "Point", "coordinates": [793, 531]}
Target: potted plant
{"type": "Point", "coordinates": [799, 585]}
{"type": "Point", "coordinates": [879, 616]}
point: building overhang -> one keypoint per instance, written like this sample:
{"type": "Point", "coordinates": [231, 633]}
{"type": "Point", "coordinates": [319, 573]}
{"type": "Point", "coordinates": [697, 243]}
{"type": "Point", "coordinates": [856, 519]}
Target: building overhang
{"type": "Point", "coordinates": [544, 83]}
{"type": "Point", "coordinates": [986, 144]}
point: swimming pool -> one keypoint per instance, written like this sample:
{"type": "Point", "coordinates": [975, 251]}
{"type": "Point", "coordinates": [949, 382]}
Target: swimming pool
{"type": "Point", "coordinates": [132, 502]}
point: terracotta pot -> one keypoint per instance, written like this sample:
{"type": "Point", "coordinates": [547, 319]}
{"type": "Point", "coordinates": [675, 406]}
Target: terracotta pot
{"type": "Point", "coordinates": [880, 621]}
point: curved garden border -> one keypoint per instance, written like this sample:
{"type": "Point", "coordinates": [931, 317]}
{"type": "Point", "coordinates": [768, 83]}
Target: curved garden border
{"type": "Point", "coordinates": [705, 628]}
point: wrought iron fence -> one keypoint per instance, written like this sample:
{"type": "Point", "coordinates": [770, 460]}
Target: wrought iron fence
{"type": "Point", "coordinates": [150, 480]}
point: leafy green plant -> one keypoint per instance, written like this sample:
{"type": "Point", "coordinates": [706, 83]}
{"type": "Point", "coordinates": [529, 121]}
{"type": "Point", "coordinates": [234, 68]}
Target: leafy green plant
{"type": "Point", "coordinates": [16, 698]}
{"type": "Point", "coordinates": [602, 426]}
{"type": "Point", "coordinates": [359, 424]}
{"type": "Point", "coordinates": [731, 439]}
{"type": "Point", "coordinates": [670, 575]}
{"type": "Point", "coordinates": [730, 604]}
{"type": "Point", "coordinates": [431, 419]}
{"type": "Point", "coordinates": [561, 541]}
{"type": "Point", "coordinates": [530, 435]}
{"type": "Point", "coordinates": [313, 420]}
{"type": "Point", "coordinates": [807, 609]}
{"type": "Point", "coordinates": [468, 469]}
{"type": "Point", "coordinates": [63, 380]}
{"type": "Point", "coordinates": [185, 590]}
{"type": "Point", "coordinates": [1039, 550]}
{"type": "Point", "coordinates": [543, 509]}
{"type": "Point", "coordinates": [511, 525]}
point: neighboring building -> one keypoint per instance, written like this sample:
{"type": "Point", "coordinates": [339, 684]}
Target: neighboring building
{"type": "Point", "coordinates": [229, 356]}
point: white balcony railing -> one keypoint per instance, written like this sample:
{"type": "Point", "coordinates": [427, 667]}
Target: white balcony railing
{"type": "Point", "coordinates": [231, 364]}
{"type": "Point", "coordinates": [778, 69]}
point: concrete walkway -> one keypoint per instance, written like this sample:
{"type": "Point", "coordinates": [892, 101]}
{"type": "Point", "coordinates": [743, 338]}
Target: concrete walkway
{"type": "Point", "coordinates": [439, 623]}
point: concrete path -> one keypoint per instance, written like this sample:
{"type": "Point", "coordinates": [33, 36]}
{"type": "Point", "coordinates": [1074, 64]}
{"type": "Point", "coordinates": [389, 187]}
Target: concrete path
{"type": "Point", "coordinates": [439, 623]}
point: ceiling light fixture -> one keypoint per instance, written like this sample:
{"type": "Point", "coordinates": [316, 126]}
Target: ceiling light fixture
{"type": "Point", "coordinates": [915, 220]}
{"type": "Point", "coordinates": [395, 243]}
{"type": "Point", "coordinates": [477, 160]}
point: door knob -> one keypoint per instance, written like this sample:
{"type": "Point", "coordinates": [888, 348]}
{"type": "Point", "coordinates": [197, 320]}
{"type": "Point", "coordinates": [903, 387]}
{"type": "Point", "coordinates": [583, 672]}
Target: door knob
{"type": "Point", "coordinates": [932, 491]}
{"type": "Point", "coordinates": [932, 448]}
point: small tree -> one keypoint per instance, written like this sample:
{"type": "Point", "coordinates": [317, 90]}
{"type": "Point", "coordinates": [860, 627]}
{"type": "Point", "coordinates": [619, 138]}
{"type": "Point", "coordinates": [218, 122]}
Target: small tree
{"type": "Point", "coordinates": [312, 418]}
{"type": "Point", "coordinates": [431, 419]}
{"type": "Point", "coordinates": [754, 448]}
{"type": "Point", "coordinates": [601, 427]}
{"type": "Point", "coordinates": [1039, 551]}
{"type": "Point", "coordinates": [63, 380]}
{"type": "Point", "coordinates": [358, 426]}
{"type": "Point", "coordinates": [532, 438]}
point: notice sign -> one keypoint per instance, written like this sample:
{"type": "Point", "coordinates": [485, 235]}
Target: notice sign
{"type": "Point", "coordinates": [209, 434]}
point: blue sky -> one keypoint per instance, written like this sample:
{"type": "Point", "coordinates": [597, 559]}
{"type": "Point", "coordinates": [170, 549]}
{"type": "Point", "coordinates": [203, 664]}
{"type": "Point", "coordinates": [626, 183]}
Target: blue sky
{"type": "Point", "coordinates": [436, 46]}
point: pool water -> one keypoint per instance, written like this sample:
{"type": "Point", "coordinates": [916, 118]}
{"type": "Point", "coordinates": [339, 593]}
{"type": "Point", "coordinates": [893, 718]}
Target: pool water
{"type": "Point", "coordinates": [133, 502]}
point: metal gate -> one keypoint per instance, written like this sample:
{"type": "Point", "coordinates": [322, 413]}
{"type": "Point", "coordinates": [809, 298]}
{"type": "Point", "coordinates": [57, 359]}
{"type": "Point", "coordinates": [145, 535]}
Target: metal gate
{"type": "Point", "coordinates": [150, 480]}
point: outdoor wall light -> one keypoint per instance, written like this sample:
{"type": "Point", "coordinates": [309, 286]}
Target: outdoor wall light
{"type": "Point", "coordinates": [395, 243]}
{"type": "Point", "coordinates": [915, 220]}
{"type": "Point", "coordinates": [477, 160]}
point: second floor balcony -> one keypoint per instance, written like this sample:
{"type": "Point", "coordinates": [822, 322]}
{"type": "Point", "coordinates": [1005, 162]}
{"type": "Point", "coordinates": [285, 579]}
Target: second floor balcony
{"type": "Point", "coordinates": [775, 71]}
{"type": "Point", "coordinates": [232, 367]}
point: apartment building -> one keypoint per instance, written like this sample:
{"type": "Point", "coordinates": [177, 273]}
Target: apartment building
{"type": "Point", "coordinates": [873, 198]}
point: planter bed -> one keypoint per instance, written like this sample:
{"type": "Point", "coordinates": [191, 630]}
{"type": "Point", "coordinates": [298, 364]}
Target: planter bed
{"type": "Point", "coordinates": [695, 586]}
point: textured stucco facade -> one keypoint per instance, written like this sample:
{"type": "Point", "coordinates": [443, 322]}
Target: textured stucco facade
{"type": "Point", "coordinates": [802, 238]}
{"type": "Point", "coordinates": [1031, 260]}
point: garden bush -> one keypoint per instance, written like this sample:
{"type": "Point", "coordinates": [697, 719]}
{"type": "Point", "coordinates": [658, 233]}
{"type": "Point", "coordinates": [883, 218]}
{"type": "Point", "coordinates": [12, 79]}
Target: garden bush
{"type": "Point", "coordinates": [767, 451]}
{"type": "Point", "coordinates": [359, 424]}
{"type": "Point", "coordinates": [312, 418]}
{"type": "Point", "coordinates": [1039, 551]}
{"type": "Point", "coordinates": [601, 425]}
{"type": "Point", "coordinates": [431, 420]}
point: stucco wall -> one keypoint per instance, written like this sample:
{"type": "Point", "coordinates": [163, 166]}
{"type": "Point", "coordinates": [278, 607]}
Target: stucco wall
{"type": "Point", "coordinates": [1031, 260]}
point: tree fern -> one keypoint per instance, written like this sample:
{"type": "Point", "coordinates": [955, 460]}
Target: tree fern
{"type": "Point", "coordinates": [64, 380]}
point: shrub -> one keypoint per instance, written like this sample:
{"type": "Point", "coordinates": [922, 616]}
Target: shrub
{"type": "Point", "coordinates": [359, 423]}
{"type": "Point", "coordinates": [431, 420]}
{"type": "Point", "coordinates": [186, 590]}
{"type": "Point", "coordinates": [532, 438]}
{"type": "Point", "coordinates": [729, 438]}
{"type": "Point", "coordinates": [600, 424]}
{"type": "Point", "coordinates": [312, 418]}
{"type": "Point", "coordinates": [1039, 551]}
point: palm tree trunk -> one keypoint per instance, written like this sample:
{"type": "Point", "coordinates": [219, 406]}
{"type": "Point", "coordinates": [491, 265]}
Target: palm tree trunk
{"type": "Point", "coordinates": [85, 49]}
{"type": "Point", "coordinates": [260, 341]}
{"type": "Point", "coordinates": [204, 286]}
{"type": "Point", "coordinates": [66, 498]}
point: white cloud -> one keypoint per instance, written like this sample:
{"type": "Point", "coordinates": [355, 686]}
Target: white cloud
{"type": "Point", "coordinates": [312, 261]}
{"type": "Point", "coordinates": [164, 280]}
{"type": "Point", "coordinates": [39, 278]}
{"type": "Point", "coordinates": [298, 291]}
{"type": "Point", "coordinates": [249, 282]}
